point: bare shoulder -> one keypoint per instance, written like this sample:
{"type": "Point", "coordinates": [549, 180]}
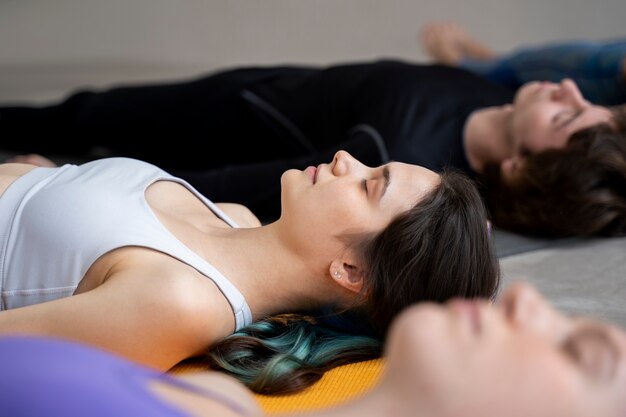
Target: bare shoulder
{"type": "Point", "coordinates": [15, 169]}
{"type": "Point", "coordinates": [240, 214]}
{"type": "Point", "coordinates": [10, 172]}
{"type": "Point", "coordinates": [150, 308]}
{"type": "Point", "coordinates": [187, 300]}
{"type": "Point", "coordinates": [158, 278]}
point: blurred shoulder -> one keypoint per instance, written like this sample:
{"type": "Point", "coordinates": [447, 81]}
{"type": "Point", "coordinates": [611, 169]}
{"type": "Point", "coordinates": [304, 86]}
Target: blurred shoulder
{"type": "Point", "coordinates": [9, 172]}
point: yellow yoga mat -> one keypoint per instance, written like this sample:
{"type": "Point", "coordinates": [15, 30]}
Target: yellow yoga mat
{"type": "Point", "coordinates": [336, 386]}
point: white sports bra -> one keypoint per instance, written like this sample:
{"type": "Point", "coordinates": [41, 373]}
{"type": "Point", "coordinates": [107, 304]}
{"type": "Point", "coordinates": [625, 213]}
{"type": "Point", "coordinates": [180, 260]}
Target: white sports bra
{"type": "Point", "coordinates": [56, 222]}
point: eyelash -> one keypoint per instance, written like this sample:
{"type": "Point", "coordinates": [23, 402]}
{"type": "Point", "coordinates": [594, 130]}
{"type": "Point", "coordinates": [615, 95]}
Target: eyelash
{"type": "Point", "coordinates": [566, 118]}
{"type": "Point", "coordinates": [575, 350]}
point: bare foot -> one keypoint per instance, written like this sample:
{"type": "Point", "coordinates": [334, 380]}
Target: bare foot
{"type": "Point", "coordinates": [448, 43]}
{"type": "Point", "coordinates": [33, 159]}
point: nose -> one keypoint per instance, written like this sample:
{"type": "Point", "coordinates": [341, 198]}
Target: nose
{"type": "Point", "coordinates": [343, 163]}
{"type": "Point", "coordinates": [569, 91]}
{"type": "Point", "coordinates": [526, 309]}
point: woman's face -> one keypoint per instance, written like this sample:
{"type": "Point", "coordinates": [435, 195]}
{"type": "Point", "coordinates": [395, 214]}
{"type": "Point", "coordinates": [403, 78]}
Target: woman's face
{"type": "Point", "coordinates": [346, 196]}
{"type": "Point", "coordinates": [544, 115]}
{"type": "Point", "coordinates": [518, 358]}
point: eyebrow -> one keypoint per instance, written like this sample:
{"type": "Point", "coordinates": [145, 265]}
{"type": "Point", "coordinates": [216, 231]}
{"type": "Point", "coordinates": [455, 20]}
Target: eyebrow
{"type": "Point", "coordinates": [387, 178]}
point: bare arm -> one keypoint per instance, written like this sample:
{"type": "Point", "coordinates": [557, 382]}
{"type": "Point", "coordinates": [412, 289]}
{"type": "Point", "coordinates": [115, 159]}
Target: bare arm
{"type": "Point", "coordinates": [143, 314]}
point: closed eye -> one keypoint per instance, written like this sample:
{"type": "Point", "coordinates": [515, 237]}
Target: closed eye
{"type": "Point", "coordinates": [594, 351]}
{"type": "Point", "coordinates": [386, 180]}
{"type": "Point", "coordinates": [570, 119]}
{"type": "Point", "coordinates": [563, 119]}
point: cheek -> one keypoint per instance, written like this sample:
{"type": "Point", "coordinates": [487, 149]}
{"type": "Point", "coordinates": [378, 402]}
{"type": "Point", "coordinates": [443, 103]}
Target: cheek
{"type": "Point", "coordinates": [526, 382]}
{"type": "Point", "coordinates": [422, 352]}
{"type": "Point", "coordinates": [347, 206]}
{"type": "Point", "coordinates": [334, 212]}
{"type": "Point", "coordinates": [441, 367]}
{"type": "Point", "coordinates": [529, 128]}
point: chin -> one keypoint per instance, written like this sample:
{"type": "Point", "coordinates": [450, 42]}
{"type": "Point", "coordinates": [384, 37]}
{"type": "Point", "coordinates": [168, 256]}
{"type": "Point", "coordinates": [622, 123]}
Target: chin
{"type": "Point", "coordinates": [287, 177]}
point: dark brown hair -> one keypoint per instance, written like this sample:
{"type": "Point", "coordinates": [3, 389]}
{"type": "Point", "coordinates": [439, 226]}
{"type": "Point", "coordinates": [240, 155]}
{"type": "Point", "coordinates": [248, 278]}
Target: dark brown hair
{"type": "Point", "coordinates": [439, 249]}
{"type": "Point", "coordinates": [579, 190]}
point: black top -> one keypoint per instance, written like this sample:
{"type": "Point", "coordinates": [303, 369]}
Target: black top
{"type": "Point", "coordinates": [233, 133]}
{"type": "Point", "coordinates": [418, 110]}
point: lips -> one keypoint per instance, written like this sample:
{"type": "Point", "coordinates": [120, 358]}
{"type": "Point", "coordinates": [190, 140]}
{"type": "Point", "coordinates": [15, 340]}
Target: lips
{"type": "Point", "coordinates": [312, 173]}
{"type": "Point", "coordinates": [318, 170]}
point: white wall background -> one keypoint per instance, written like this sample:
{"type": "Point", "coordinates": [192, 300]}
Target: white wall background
{"type": "Point", "coordinates": [48, 47]}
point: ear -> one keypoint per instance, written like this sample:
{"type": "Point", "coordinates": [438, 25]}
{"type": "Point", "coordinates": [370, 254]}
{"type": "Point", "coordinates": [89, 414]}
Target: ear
{"type": "Point", "coordinates": [509, 167]}
{"type": "Point", "coordinates": [347, 274]}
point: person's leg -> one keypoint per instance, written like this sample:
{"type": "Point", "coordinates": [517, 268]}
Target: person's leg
{"type": "Point", "coordinates": [44, 128]}
{"type": "Point", "coordinates": [448, 43]}
{"type": "Point", "coordinates": [596, 67]}
{"type": "Point", "coordinates": [167, 124]}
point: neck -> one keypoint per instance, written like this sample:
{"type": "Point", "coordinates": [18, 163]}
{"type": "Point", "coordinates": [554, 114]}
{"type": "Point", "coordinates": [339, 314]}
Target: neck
{"type": "Point", "coordinates": [273, 277]}
{"type": "Point", "coordinates": [487, 136]}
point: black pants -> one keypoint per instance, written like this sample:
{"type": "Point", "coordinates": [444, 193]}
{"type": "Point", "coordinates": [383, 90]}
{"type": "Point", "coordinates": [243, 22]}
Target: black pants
{"type": "Point", "coordinates": [169, 124]}
{"type": "Point", "coordinates": [166, 124]}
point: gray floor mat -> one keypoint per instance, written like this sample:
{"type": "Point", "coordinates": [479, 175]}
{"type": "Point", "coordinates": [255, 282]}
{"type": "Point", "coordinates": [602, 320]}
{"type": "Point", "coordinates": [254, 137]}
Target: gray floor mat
{"type": "Point", "coordinates": [509, 243]}
{"type": "Point", "coordinates": [580, 277]}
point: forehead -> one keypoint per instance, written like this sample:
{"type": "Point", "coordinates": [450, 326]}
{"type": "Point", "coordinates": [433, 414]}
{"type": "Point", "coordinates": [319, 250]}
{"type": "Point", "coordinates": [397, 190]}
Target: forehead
{"type": "Point", "coordinates": [536, 135]}
{"type": "Point", "coordinates": [413, 176]}
{"type": "Point", "coordinates": [408, 184]}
